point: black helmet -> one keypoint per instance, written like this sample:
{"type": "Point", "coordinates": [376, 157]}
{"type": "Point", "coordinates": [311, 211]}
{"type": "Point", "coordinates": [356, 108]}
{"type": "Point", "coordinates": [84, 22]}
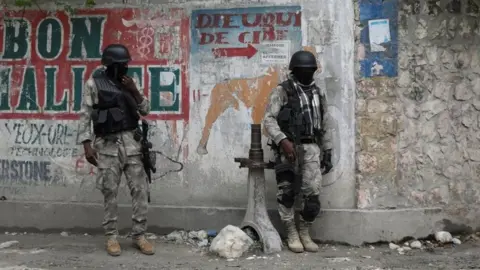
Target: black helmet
{"type": "Point", "coordinates": [303, 59]}
{"type": "Point", "coordinates": [115, 53]}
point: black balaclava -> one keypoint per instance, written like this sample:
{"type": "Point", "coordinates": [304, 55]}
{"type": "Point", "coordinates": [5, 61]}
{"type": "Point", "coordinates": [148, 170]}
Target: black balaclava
{"type": "Point", "coordinates": [117, 70]}
{"type": "Point", "coordinates": [304, 75]}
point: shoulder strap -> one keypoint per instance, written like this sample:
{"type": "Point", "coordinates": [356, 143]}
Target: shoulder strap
{"type": "Point", "coordinates": [103, 83]}
{"type": "Point", "coordinates": [287, 85]}
{"type": "Point", "coordinates": [99, 74]}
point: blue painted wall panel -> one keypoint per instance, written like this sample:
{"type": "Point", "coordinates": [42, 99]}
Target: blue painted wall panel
{"type": "Point", "coordinates": [374, 61]}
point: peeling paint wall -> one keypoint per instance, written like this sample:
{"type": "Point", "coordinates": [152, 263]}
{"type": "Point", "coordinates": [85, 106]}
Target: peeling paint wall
{"type": "Point", "coordinates": [417, 133]}
{"type": "Point", "coordinates": [376, 113]}
{"type": "Point", "coordinates": [205, 83]}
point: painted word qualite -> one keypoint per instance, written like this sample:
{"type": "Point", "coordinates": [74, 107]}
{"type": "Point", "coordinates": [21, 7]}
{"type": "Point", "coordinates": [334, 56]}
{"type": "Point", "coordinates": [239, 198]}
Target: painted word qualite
{"type": "Point", "coordinates": [33, 99]}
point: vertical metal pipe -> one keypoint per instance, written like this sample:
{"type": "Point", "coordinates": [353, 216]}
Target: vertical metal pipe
{"type": "Point", "coordinates": [256, 151]}
{"type": "Point", "coordinates": [256, 216]}
{"type": "Point", "coordinates": [256, 137]}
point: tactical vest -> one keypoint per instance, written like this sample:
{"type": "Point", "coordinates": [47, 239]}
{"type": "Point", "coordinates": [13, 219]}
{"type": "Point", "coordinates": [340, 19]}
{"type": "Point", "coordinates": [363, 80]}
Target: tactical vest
{"type": "Point", "coordinates": [291, 118]}
{"type": "Point", "coordinates": [116, 110]}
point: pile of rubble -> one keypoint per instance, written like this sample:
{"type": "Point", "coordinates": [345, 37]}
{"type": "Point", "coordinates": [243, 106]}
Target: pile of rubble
{"type": "Point", "coordinates": [440, 238]}
{"type": "Point", "coordinates": [199, 239]}
{"type": "Point", "coordinates": [231, 242]}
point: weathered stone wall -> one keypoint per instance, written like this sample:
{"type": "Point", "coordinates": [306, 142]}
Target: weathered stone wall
{"type": "Point", "coordinates": [418, 133]}
{"type": "Point", "coordinates": [377, 118]}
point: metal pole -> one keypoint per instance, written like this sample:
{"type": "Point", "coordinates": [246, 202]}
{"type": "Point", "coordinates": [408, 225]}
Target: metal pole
{"type": "Point", "coordinates": [256, 216]}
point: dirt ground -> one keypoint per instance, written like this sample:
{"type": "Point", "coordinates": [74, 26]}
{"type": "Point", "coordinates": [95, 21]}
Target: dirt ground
{"type": "Point", "coordinates": [54, 251]}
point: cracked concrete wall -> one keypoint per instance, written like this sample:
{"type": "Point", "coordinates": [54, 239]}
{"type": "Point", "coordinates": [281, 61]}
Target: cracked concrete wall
{"type": "Point", "coordinates": [201, 134]}
{"type": "Point", "coordinates": [417, 134]}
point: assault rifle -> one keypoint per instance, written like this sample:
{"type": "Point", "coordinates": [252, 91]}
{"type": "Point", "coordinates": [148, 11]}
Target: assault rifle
{"type": "Point", "coordinates": [148, 158]}
{"type": "Point", "coordinates": [296, 123]}
{"type": "Point", "coordinates": [292, 118]}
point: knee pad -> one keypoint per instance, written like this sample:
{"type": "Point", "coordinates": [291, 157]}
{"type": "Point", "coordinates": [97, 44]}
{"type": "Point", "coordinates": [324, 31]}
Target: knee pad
{"type": "Point", "coordinates": [311, 208]}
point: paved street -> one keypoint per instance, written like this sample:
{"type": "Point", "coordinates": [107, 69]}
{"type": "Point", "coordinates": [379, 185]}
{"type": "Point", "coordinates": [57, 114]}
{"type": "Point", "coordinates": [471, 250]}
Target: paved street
{"type": "Point", "coordinates": [54, 251]}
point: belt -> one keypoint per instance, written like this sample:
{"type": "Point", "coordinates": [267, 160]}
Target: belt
{"type": "Point", "coordinates": [307, 140]}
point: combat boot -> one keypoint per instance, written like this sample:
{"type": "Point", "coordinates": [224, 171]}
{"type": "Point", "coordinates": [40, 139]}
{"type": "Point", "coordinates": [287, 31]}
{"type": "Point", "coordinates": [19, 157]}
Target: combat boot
{"type": "Point", "coordinates": [303, 230]}
{"type": "Point", "coordinates": [144, 246]}
{"type": "Point", "coordinates": [293, 240]}
{"type": "Point", "coordinates": [113, 247]}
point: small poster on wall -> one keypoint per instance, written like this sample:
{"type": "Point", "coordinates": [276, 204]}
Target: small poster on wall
{"type": "Point", "coordinates": [379, 33]}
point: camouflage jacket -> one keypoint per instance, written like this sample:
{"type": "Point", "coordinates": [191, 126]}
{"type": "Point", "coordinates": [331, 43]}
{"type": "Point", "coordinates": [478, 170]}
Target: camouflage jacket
{"type": "Point", "coordinates": [277, 99]}
{"type": "Point", "coordinates": [107, 147]}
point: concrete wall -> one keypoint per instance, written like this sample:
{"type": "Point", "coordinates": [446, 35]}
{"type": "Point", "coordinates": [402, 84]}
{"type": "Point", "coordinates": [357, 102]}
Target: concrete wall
{"type": "Point", "coordinates": [202, 104]}
{"type": "Point", "coordinates": [417, 140]}
{"type": "Point", "coordinates": [405, 109]}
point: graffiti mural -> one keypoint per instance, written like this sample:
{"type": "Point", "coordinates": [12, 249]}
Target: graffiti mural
{"type": "Point", "coordinates": [234, 46]}
{"type": "Point", "coordinates": [41, 139]}
{"type": "Point", "coordinates": [45, 59]}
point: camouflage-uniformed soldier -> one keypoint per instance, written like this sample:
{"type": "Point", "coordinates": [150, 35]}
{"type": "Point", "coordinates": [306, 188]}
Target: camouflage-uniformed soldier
{"type": "Point", "coordinates": [296, 122]}
{"type": "Point", "coordinates": [113, 102]}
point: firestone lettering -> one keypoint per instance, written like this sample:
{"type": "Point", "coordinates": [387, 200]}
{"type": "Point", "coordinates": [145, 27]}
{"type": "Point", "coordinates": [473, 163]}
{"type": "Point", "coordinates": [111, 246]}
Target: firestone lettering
{"type": "Point", "coordinates": [24, 171]}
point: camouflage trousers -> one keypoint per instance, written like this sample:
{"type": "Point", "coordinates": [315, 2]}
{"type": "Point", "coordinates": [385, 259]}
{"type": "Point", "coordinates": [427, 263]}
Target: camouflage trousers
{"type": "Point", "coordinates": [110, 172]}
{"type": "Point", "coordinates": [309, 187]}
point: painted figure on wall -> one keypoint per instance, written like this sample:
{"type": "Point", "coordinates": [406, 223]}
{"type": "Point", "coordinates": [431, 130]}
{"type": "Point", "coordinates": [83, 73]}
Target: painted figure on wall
{"type": "Point", "coordinates": [252, 92]}
{"type": "Point", "coordinates": [296, 121]}
{"type": "Point", "coordinates": [113, 101]}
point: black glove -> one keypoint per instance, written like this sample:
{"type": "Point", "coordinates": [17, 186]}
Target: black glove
{"type": "Point", "coordinates": [327, 161]}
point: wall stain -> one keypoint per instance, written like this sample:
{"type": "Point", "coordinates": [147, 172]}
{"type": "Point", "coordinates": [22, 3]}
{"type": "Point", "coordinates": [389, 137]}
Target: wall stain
{"type": "Point", "coordinates": [252, 92]}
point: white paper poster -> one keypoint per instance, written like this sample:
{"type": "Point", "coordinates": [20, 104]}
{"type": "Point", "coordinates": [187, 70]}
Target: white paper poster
{"type": "Point", "coordinates": [276, 52]}
{"type": "Point", "coordinates": [379, 33]}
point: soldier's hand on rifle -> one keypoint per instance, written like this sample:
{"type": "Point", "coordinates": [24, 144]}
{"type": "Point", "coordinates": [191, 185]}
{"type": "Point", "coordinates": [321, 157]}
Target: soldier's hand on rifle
{"type": "Point", "coordinates": [90, 154]}
{"type": "Point", "coordinates": [129, 84]}
{"type": "Point", "coordinates": [289, 149]}
{"type": "Point", "coordinates": [327, 161]}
